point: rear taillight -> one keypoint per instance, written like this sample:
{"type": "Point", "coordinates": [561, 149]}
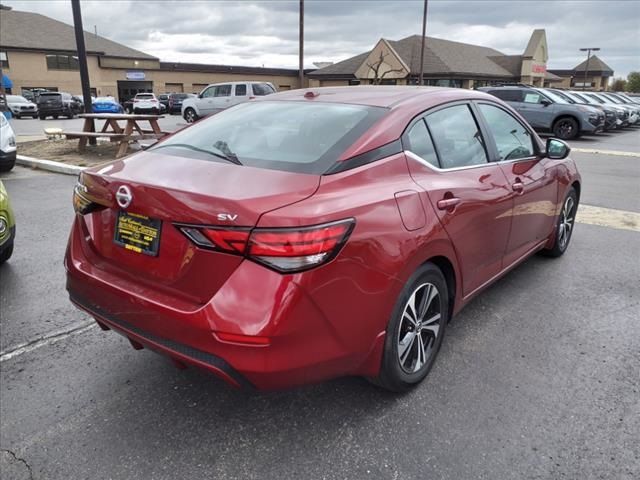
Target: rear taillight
{"type": "Point", "coordinates": [83, 201]}
{"type": "Point", "coordinates": [286, 250]}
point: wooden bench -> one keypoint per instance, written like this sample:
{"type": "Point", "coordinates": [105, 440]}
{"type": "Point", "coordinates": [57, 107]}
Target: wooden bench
{"type": "Point", "coordinates": [114, 137]}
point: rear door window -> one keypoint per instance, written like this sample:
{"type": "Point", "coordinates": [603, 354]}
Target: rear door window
{"type": "Point", "coordinates": [261, 89]}
{"type": "Point", "coordinates": [241, 90]}
{"type": "Point", "coordinates": [512, 139]}
{"type": "Point", "coordinates": [457, 137]}
{"type": "Point", "coordinates": [421, 144]}
{"type": "Point", "coordinates": [507, 95]}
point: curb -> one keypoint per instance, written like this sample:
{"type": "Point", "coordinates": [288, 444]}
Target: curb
{"type": "Point", "coordinates": [48, 165]}
{"type": "Point", "coordinates": [606, 152]}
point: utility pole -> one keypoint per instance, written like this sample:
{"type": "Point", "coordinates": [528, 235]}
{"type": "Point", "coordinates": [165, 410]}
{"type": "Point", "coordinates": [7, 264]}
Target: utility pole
{"type": "Point", "coordinates": [301, 46]}
{"type": "Point", "coordinates": [422, 40]}
{"type": "Point", "coordinates": [586, 70]}
{"type": "Point", "coordinates": [82, 55]}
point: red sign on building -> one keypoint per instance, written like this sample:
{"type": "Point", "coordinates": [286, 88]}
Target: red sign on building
{"type": "Point", "coordinates": [537, 68]}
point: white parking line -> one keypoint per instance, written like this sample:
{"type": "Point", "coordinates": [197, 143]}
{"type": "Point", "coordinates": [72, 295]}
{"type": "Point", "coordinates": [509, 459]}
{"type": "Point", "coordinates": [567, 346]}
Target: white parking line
{"type": "Point", "coordinates": [609, 217]}
{"type": "Point", "coordinates": [606, 152]}
{"type": "Point", "coordinates": [46, 339]}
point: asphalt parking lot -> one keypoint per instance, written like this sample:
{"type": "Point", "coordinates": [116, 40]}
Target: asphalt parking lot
{"type": "Point", "coordinates": [538, 377]}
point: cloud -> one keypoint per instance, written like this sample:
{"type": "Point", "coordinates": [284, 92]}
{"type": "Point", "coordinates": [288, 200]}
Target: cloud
{"type": "Point", "coordinates": [266, 32]}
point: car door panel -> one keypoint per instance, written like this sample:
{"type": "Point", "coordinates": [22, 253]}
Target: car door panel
{"type": "Point", "coordinates": [471, 198]}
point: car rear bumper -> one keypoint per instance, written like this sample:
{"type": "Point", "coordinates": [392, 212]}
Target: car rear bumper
{"type": "Point", "coordinates": [303, 347]}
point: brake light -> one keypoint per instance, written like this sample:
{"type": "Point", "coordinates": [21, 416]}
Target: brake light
{"type": "Point", "coordinates": [286, 250]}
{"type": "Point", "coordinates": [83, 201]}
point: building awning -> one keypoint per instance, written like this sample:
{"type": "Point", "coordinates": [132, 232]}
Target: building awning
{"type": "Point", "coordinates": [6, 82]}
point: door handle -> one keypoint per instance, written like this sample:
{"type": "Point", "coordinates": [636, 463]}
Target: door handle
{"type": "Point", "coordinates": [518, 187]}
{"type": "Point", "coordinates": [448, 203]}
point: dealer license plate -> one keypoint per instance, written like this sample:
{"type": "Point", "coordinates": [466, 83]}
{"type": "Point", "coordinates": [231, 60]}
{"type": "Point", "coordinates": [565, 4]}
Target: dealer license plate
{"type": "Point", "coordinates": [138, 233]}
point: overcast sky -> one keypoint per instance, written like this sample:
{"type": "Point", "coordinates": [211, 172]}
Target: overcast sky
{"type": "Point", "coordinates": [266, 32]}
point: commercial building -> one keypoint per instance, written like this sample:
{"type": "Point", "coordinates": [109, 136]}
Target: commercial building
{"type": "Point", "coordinates": [446, 63]}
{"type": "Point", "coordinates": [39, 52]}
{"type": "Point", "coordinates": [592, 74]}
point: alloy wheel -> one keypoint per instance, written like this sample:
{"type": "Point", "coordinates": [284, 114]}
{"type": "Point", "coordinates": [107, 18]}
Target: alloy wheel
{"type": "Point", "coordinates": [419, 328]}
{"type": "Point", "coordinates": [567, 218]}
{"type": "Point", "coordinates": [189, 116]}
{"type": "Point", "coordinates": [565, 129]}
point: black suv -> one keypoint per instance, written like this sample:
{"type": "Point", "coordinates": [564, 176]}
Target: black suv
{"type": "Point", "coordinates": [57, 104]}
{"type": "Point", "coordinates": [549, 112]}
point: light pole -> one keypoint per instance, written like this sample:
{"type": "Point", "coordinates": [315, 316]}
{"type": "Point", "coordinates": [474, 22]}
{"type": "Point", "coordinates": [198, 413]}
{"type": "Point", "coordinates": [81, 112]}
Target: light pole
{"type": "Point", "coordinates": [301, 45]}
{"type": "Point", "coordinates": [586, 70]}
{"type": "Point", "coordinates": [422, 40]}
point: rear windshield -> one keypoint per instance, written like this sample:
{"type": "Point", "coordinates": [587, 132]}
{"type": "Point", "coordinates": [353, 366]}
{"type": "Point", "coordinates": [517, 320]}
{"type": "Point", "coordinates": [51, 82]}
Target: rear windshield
{"type": "Point", "coordinates": [291, 136]}
{"type": "Point", "coordinates": [50, 94]}
{"type": "Point", "coordinates": [260, 89]}
{"type": "Point", "coordinates": [145, 95]}
{"type": "Point", "coordinates": [178, 96]}
{"type": "Point", "coordinates": [105, 99]}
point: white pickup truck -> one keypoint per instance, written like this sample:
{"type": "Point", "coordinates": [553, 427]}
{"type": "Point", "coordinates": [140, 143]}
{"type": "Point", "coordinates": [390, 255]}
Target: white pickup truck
{"type": "Point", "coordinates": [219, 96]}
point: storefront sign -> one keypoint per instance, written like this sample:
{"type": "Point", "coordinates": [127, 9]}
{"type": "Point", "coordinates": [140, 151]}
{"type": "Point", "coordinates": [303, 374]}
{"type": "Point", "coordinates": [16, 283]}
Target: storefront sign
{"type": "Point", "coordinates": [135, 75]}
{"type": "Point", "coordinates": [537, 68]}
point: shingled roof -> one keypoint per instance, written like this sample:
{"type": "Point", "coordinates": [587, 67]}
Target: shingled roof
{"type": "Point", "coordinates": [441, 57]}
{"type": "Point", "coordinates": [595, 65]}
{"type": "Point", "coordinates": [32, 31]}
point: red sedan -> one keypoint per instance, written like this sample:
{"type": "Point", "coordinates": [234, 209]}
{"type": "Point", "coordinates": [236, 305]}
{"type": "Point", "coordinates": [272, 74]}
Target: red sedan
{"type": "Point", "coordinates": [317, 233]}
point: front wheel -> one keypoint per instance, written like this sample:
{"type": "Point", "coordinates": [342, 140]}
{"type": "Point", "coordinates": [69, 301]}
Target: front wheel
{"type": "Point", "coordinates": [564, 227]}
{"type": "Point", "coordinates": [55, 117]}
{"type": "Point", "coordinates": [190, 115]}
{"type": "Point", "coordinates": [415, 331]}
{"type": "Point", "coordinates": [566, 128]}
{"type": "Point", "coordinates": [6, 254]}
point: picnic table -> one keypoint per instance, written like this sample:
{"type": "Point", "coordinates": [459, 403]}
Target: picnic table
{"type": "Point", "coordinates": [131, 130]}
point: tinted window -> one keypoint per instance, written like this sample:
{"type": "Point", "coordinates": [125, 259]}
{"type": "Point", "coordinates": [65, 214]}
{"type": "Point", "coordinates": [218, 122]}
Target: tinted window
{"type": "Point", "coordinates": [179, 96]}
{"type": "Point", "coordinates": [222, 91]}
{"type": "Point", "coordinates": [507, 95]}
{"type": "Point", "coordinates": [512, 139]}
{"type": "Point", "coordinates": [457, 137]}
{"type": "Point", "coordinates": [291, 136]}
{"type": "Point", "coordinates": [261, 89]}
{"type": "Point", "coordinates": [145, 96]}
{"type": "Point", "coordinates": [420, 143]}
{"type": "Point", "coordinates": [241, 90]}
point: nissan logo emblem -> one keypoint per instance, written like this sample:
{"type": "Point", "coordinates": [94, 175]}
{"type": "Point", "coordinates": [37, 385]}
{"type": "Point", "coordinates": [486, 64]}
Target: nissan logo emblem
{"type": "Point", "coordinates": [123, 196]}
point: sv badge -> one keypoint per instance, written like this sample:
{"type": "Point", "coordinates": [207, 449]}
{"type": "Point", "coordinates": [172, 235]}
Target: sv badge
{"type": "Point", "coordinates": [227, 217]}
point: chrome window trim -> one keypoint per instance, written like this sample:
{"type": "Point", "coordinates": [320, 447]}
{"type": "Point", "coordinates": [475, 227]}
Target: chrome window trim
{"type": "Point", "coordinates": [421, 160]}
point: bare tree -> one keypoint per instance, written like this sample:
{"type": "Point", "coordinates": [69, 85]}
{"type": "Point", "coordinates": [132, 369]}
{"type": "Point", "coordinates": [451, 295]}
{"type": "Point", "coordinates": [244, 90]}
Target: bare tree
{"type": "Point", "coordinates": [375, 68]}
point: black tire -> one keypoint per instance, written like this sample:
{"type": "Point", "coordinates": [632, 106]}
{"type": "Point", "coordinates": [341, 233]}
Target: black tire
{"type": "Point", "coordinates": [42, 117]}
{"type": "Point", "coordinates": [566, 220]}
{"type": "Point", "coordinates": [400, 375]}
{"type": "Point", "coordinates": [55, 117]}
{"type": "Point", "coordinates": [6, 254]}
{"type": "Point", "coordinates": [35, 116]}
{"type": "Point", "coordinates": [6, 167]}
{"type": "Point", "coordinates": [566, 128]}
{"type": "Point", "coordinates": [190, 115]}
{"type": "Point", "coordinates": [17, 116]}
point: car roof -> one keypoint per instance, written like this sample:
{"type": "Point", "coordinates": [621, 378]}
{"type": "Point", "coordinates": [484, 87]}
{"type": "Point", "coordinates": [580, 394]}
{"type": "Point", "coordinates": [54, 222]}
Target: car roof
{"type": "Point", "coordinates": [391, 96]}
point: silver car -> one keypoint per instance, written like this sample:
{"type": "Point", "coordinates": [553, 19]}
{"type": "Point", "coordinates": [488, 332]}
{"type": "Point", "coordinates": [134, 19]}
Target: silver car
{"type": "Point", "coordinates": [21, 107]}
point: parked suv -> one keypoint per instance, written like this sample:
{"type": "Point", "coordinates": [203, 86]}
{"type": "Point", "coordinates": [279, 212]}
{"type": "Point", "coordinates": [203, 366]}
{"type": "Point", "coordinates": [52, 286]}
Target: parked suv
{"type": "Point", "coordinates": [145, 103]}
{"type": "Point", "coordinates": [623, 114]}
{"type": "Point", "coordinates": [175, 101]}
{"type": "Point", "coordinates": [21, 107]}
{"type": "Point", "coordinates": [611, 114]}
{"type": "Point", "coordinates": [550, 113]}
{"type": "Point", "coordinates": [219, 96]}
{"type": "Point", "coordinates": [57, 104]}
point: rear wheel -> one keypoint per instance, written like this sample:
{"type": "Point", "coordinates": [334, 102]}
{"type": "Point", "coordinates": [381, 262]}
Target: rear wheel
{"type": "Point", "coordinates": [415, 331]}
{"type": "Point", "coordinates": [190, 115]}
{"type": "Point", "coordinates": [55, 117]}
{"type": "Point", "coordinates": [566, 128]}
{"type": "Point", "coordinates": [35, 116]}
{"type": "Point", "coordinates": [7, 166]}
{"type": "Point", "coordinates": [564, 227]}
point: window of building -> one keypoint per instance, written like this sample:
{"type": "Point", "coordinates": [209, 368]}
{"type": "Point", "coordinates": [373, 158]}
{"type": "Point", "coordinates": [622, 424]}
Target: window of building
{"type": "Point", "coordinates": [354, 82]}
{"type": "Point", "coordinates": [512, 139]}
{"type": "Point", "coordinates": [61, 61]}
{"type": "Point", "coordinates": [447, 82]}
{"type": "Point", "coordinates": [457, 137]}
{"type": "Point", "coordinates": [420, 143]}
{"type": "Point", "coordinates": [241, 90]}
{"type": "Point", "coordinates": [4, 60]}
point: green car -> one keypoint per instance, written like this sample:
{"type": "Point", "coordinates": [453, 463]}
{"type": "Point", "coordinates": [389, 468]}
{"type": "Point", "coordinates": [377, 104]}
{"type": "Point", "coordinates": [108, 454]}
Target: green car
{"type": "Point", "coordinates": [7, 226]}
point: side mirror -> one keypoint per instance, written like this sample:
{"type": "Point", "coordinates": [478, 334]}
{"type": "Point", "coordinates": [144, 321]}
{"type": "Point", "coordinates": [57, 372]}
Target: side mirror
{"type": "Point", "coordinates": [557, 149]}
{"type": "Point", "coordinates": [545, 102]}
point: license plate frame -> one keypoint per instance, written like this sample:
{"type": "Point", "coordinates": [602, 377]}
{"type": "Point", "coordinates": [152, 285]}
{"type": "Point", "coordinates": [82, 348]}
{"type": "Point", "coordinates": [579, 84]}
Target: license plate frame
{"type": "Point", "coordinates": [137, 233]}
